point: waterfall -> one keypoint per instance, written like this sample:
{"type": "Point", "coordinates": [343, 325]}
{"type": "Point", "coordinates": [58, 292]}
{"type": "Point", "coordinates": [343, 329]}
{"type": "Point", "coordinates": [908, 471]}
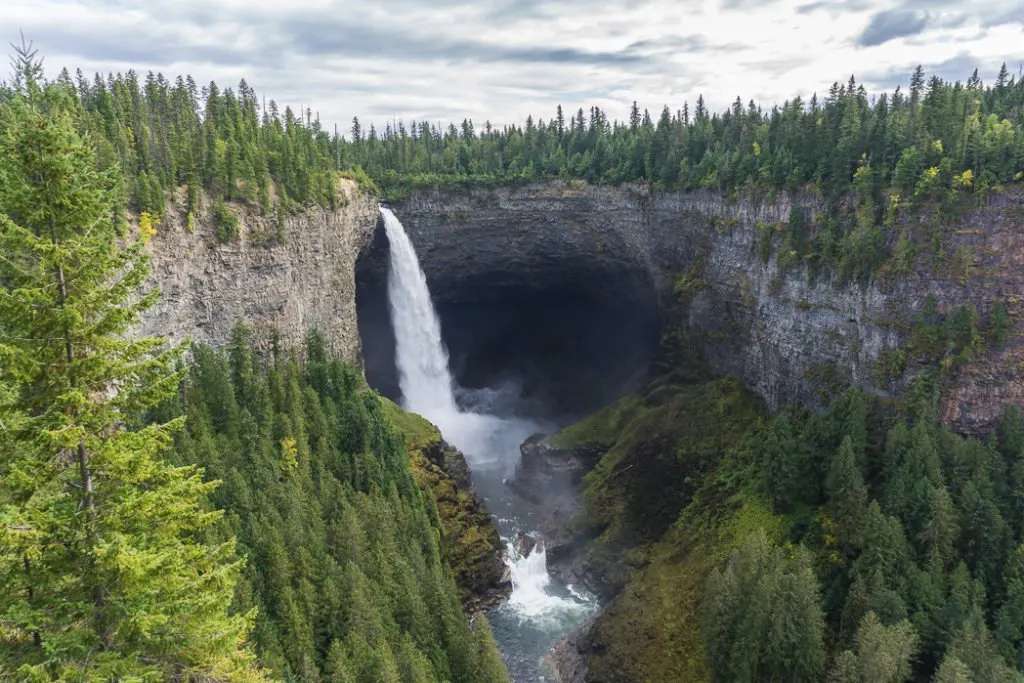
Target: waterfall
{"type": "Point", "coordinates": [420, 355]}
{"type": "Point", "coordinates": [490, 443]}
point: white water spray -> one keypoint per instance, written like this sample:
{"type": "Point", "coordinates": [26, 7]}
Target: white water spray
{"type": "Point", "coordinates": [419, 351]}
{"type": "Point", "coordinates": [486, 440]}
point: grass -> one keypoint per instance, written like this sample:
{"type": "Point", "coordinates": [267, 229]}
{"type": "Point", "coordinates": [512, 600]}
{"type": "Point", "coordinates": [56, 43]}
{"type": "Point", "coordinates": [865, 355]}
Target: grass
{"type": "Point", "coordinates": [417, 431]}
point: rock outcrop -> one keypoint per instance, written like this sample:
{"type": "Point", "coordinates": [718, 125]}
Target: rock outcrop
{"type": "Point", "coordinates": [782, 334]}
{"type": "Point", "coordinates": [306, 282]}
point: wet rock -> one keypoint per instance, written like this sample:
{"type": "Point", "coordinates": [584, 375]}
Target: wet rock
{"type": "Point", "coordinates": [524, 544]}
{"type": "Point", "coordinates": [548, 475]}
{"type": "Point", "coordinates": [567, 659]}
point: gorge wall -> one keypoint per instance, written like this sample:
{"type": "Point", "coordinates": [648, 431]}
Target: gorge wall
{"type": "Point", "coordinates": [306, 282]}
{"type": "Point", "coordinates": [783, 335]}
{"type": "Point", "coordinates": [584, 275]}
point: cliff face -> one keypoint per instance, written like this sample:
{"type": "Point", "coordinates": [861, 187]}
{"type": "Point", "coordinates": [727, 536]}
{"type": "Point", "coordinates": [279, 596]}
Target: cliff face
{"type": "Point", "coordinates": [306, 282]}
{"type": "Point", "coordinates": [783, 335]}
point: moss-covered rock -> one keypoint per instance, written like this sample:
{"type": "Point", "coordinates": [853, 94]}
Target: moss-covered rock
{"type": "Point", "coordinates": [651, 630]}
{"type": "Point", "coordinates": [471, 543]}
{"type": "Point", "coordinates": [661, 445]}
{"type": "Point", "coordinates": [654, 520]}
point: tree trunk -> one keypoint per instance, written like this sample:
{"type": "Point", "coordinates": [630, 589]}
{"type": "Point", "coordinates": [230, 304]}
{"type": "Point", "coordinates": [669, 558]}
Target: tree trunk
{"type": "Point", "coordinates": [82, 455]}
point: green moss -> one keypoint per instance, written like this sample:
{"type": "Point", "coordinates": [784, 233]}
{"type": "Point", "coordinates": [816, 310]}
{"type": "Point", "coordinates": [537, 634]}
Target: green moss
{"type": "Point", "coordinates": [417, 431]}
{"type": "Point", "coordinates": [470, 540]}
{"type": "Point", "coordinates": [651, 631]}
{"type": "Point", "coordinates": [660, 519]}
{"type": "Point", "coordinates": [603, 427]}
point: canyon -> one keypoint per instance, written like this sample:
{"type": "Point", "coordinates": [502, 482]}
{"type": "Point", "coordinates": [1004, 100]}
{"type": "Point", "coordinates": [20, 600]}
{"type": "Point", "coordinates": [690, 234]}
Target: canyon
{"type": "Point", "coordinates": [567, 293]}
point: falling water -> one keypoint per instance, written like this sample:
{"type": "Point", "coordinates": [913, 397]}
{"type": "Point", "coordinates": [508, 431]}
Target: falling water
{"type": "Point", "coordinates": [539, 610]}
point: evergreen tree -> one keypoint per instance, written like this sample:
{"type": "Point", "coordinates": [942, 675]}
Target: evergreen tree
{"type": "Point", "coordinates": [883, 654]}
{"type": "Point", "coordinates": [762, 616]}
{"type": "Point", "coordinates": [848, 498]}
{"type": "Point", "coordinates": [107, 571]}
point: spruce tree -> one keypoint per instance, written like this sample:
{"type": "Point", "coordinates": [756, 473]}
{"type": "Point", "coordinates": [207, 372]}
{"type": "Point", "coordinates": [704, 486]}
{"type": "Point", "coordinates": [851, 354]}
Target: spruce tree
{"type": "Point", "coordinates": [106, 571]}
{"type": "Point", "coordinates": [848, 498]}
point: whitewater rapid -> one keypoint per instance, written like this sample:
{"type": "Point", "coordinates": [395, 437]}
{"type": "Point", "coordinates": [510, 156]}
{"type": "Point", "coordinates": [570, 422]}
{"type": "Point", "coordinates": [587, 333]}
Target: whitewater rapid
{"type": "Point", "coordinates": [539, 610]}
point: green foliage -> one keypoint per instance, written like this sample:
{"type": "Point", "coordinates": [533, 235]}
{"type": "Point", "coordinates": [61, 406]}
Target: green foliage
{"type": "Point", "coordinates": [848, 498]}
{"type": "Point", "coordinates": [346, 562]}
{"type": "Point", "coordinates": [883, 654]}
{"type": "Point", "coordinates": [946, 341]}
{"type": "Point", "coordinates": [470, 542]}
{"type": "Point", "coordinates": [109, 566]}
{"type": "Point", "coordinates": [952, 142]}
{"type": "Point", "coordinates": [825, 143]}
{"type": "Point", "coordinates": [361, 178]}
{"type": "Point", "coordinates": [762, 616]}
{"type": "Point", "coordinates": [933, 546]}
{"type": "Point", "coordinates": [904, 256]}
{"type": "Point", "coordinates": [226, 221]}
{"type": "Point", "coordinates": [998, 324]}
{"type": "Point", "coordinates": [765, 233]}
{"type": "Point", "coordinates": [912, 532]}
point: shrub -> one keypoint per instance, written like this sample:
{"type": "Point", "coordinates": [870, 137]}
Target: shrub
{"type": "Point", "coordinates": [227, 223]}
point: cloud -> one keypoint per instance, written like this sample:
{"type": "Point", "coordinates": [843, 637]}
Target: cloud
{"type": "Point", "coordinates": [885, 26]}
{"type": "Point", "coordinates": [958, 67]}
{"type": "Point", "coordinates": [320, 35]}
{"type": "Point", "coordinates": [746, 4]}
{"type": "Point", "coordinates": [833, 6]}
{"type": "Point", "coordinates": [502, 60]}
{"type": "Point", "coordinates": [1012, 16]}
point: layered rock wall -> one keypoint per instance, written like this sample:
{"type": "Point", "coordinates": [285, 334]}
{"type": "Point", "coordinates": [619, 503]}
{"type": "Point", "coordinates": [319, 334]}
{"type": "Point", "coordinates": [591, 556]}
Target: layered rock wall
{"type": "Point", "coordinates": [306, 282]}
{"type": "Point", "coordinates": [782, 334]}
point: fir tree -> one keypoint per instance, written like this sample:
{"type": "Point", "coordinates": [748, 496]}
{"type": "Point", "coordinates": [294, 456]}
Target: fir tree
{"type": "Point", "coordinates": [107, 573]}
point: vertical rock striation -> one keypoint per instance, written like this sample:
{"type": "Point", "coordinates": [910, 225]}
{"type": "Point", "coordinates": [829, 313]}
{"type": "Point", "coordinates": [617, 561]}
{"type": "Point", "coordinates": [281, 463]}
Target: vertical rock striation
{"type": "Point", "coordinates": [306, 282]}
{"type": "Point", "coordinates": [785, 336]}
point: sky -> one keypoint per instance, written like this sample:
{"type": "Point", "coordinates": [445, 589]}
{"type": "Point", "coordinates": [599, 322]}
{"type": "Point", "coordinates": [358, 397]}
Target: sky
{"type": "Point", "coordinates": [500, 60]}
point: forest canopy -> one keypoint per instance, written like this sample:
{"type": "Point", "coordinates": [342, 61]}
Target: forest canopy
{"type": "Point", "coordinates": [929, 139]}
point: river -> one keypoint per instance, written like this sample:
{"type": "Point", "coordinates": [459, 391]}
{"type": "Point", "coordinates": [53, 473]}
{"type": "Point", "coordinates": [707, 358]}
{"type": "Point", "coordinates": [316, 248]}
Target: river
{"type": "Point", "coordinates": [540, 609]}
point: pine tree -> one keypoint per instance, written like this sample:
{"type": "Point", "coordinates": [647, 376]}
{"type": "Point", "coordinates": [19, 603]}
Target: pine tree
{"type": "Point", "coordinates": [883, 654]}
{"type": "Point", "coordinates": [106, 574]}
{"type": "Point", "coordinates": [848, 498]}
{"type": "Point", "coordinates": [998, 324]}
{"type": "Point", "coordinates": [1010, 625]}
{"type": "Point", "coordinates": [490, 668]}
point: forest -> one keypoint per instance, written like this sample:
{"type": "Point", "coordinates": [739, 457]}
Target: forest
{"type": "Point", "coordinates": [934, 140]}
{"type": "Point", "coordinates": [345, 569]}
{"type": "Point", "coordinates": [902, 555]}
{"type": "Point", "coordinates": [250, 515]}
{"type": "Point", "coordinates": [173, 514]}
{"type": "Point", "coordinates": [939, 144]}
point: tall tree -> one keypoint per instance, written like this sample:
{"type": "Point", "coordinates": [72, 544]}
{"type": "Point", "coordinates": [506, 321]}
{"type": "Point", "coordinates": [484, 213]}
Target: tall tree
{"type": "Point", "coordinates": [106, 569]}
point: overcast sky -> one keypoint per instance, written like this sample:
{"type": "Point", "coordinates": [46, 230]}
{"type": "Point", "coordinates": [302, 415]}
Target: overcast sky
{"type": "Point", "coordinates": [503, 59]}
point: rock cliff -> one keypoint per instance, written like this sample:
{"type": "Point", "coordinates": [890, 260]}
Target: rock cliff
{"type": "Point", "coordinates": [782, 334]}
{"type": "Point", "coordinates": [308, 281]}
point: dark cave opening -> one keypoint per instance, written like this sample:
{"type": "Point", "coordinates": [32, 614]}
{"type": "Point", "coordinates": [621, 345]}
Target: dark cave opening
{"type": "Point", "coordinates": [566, 338]}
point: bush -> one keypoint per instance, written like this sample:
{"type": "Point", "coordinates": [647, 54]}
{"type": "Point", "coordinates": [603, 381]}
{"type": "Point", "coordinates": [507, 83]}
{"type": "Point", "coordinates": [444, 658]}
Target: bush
{"type": "Point", "coordinates": [362, 179]}
{"type": "Point", "coordinates": [227, 223]}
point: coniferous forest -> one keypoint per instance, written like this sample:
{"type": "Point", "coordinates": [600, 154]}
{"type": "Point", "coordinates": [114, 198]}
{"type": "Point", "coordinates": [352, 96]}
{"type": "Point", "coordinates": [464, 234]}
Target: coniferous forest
{"type": "Point", "coordinates": [239, 518]}
{"type": "Point", "coordinates": [344, 567]}
{"type": "Point", "coordinates": [930, 140]}
{"type": "Point", "coordinates": [210, 514]}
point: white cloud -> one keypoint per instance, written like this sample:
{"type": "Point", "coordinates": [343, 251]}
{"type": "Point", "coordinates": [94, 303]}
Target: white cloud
{"type": "Point", "coordinates": [504, 59]}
